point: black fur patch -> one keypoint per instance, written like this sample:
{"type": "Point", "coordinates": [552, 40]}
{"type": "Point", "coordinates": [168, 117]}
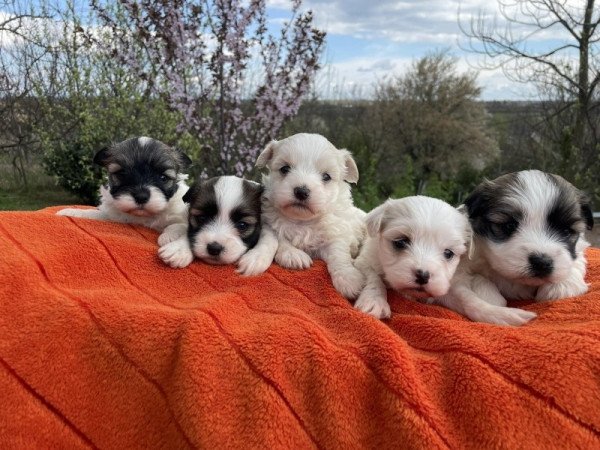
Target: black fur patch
{"type": "Point", "coordinates": [491, 216]}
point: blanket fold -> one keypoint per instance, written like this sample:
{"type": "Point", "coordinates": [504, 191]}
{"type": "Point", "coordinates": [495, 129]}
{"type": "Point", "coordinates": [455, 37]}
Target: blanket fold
{"type": "Point", "coordinates": [103, 346]}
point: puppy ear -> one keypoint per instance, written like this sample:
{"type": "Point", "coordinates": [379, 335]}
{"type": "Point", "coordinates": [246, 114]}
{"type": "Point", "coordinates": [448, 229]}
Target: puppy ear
{"type": "Point", "coordinates": [253, 189]}
{"type": "Point", "coordinates": [192, 193]}
{"type": "Point", "coordinates": [374, 220]}
{"type": "Point", "coordinates": [469, 241]}
{"type": "Point", "coordinates": [184, 159]}
{"type": "Point", "coordinates": [351, 171]}
{"type": "Point", "coordinates": [102, 156]}
{"type": "Point", "coordinates": [476, 202]}
{"type": "Point", "coordinates": [266, 155]}
{"type": "Point", "coordinates": [586, 211]}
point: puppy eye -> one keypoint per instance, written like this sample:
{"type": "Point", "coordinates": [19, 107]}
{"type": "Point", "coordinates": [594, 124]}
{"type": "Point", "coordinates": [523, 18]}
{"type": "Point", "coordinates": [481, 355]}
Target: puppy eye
{"type": "Point", "coordinates": [242, 226]}
{"type": "Point", "coordinates": [505, 228]}
{"type": "Point", "coordinates": [285, 170]}
{"type": "Point", "coordinates": [164, 178]}
{"type": "Point", "coordinates": [326, 177]}
{"type": "Point", "coordinates": [448, 254]}
{"type": "Point", "coordinates": [400, 244]}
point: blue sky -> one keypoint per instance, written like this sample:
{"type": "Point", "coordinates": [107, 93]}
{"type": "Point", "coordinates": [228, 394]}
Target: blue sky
{"type": "Point", "coordinates": [368, 40]}
{"type": "Point", "coordinates": [371, 39]}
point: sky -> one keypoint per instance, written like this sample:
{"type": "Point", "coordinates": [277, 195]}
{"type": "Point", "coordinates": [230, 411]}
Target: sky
{"type": "Point", "coordinates": [368, 40]}
{"type": "Point", "coordinates": [371, 39]}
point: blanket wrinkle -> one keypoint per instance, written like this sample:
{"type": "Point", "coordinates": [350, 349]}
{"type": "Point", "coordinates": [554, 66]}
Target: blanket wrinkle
{"type": "Point", "coordinates": [103, 346]}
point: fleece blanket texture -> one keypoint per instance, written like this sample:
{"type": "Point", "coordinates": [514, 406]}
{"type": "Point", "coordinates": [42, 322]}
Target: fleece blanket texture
{"type": "Point", "coordinates": [103, 346]}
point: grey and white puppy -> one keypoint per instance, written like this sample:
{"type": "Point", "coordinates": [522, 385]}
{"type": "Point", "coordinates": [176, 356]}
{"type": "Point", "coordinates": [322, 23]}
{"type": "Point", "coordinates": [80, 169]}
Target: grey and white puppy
{"type": "Point", "coordinates": [528, 244]}
{"type": "Point", "coordinates": [145, 186]}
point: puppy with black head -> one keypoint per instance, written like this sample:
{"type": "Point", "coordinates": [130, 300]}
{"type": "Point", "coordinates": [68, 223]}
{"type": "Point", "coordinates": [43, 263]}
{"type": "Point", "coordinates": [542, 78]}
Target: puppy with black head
{"type": "Point", "coordinates": [528, 244]}
{"type": "Point", "coordinates": [224, 226]}
{"type": "Point", "coordinates": [145, 186]}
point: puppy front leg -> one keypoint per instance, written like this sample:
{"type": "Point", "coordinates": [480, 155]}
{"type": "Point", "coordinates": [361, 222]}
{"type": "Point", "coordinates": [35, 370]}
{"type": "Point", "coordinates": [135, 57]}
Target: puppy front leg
{"type": "Point", "coordinates": [172, 233]}
{"type": "Point", "coordinates": [291, 257]}
{"type": "Point", "coordinates": [346, 278]}
{"type": "Point", "coordinates": [464, 300]}
{"type": "Point", "coordinates": [373, 298]}
{"type": "Point", "coordinates": [177, 254]}
{"type": "Point", "coordinates": [94, 214]}
{"type": "Point", "coordinates": [258, 259]}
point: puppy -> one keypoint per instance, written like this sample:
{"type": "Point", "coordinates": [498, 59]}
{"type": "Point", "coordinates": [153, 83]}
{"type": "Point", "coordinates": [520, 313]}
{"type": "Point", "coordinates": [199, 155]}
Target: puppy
{"type": "Point", "coordinates": [224, 225]}
{"type": "Point", "coordinates": [414, 247]}
{"type": "Point", "coordinates": [528, 244]}
{"type": "Point", "coordinates": [145, 186]}
{"type": "Point", "coordinates": [308, 204]}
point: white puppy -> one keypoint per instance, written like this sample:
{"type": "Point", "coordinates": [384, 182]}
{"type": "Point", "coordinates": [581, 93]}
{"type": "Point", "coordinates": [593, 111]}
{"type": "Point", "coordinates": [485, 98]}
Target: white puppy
{"type": "Point", "coordinates": [308, 204]}
{"type": "Point", "coordinates": [145, 186]}
{"type": "Point", "coordinates": [529, 244]}
{"type": "Point", "coordinates": [414, 246]}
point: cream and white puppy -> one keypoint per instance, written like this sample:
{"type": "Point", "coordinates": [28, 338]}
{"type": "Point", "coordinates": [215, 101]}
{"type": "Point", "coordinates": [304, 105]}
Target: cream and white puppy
{"type": "Point", "coordinates": [414, 247]}
{"type": "Point", "coordinates": [145, 187]}
{"type": "Point", "coordinates": [308, 203]}
{"type": "Point", "coordinates": [529, 244]}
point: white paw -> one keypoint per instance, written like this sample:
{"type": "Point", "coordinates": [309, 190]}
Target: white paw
{"type": "Point", "coordinates": [292, 258]}
{"type": "Point", "coordinates": [172, 233]}
{"type": "Point", "coordinates": [557, 291]}
{"type": "Point", "coordinates": [502, 315]}
{"type": "Point", "coordinates": [176, 254]}
{"type": "Point", "coordinates": [254, 262]}
{"type": "Point", "coordinates": [375, 306]}
{"type": "Point", "coordinates": [349, 282]}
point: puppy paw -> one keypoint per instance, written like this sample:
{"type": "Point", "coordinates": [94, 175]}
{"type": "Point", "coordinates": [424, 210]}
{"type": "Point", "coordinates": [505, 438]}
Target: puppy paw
{"type": "Point", "coordinates": [375, 306]}
{"type": "Point", "coordinates": [172, 233]}
{"type": "Point", "coordinates": [254, 263]}
{"type": "Point", "coordinates": [502, 315]}
{"type": "Point", "coordinates": [293, 258]}
{"type": "Point", "coordinates": [176, 254]}
{"type": "Point", "coordinates": [349, 282]}
{"type": "Point", "coordinates": [72, 212]}
{"type": "Point", "coordinates": [557, 291]}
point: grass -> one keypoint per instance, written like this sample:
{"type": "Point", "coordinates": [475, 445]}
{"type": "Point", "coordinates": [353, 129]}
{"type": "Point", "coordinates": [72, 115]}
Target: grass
{"type": "Point", "coordinates": [41, 190]}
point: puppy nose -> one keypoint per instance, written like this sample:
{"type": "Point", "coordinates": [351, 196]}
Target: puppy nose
{"type": "Point", "coordinates": [214, 249]}
{"type": "Point", "coordinates": [540, 264]}
{"type": "Point", "coordinates": [141, 196]}
{"type": "Point", "coordinates": [301, 193]}
{"type": "Point", "coordinates": [421, 276]}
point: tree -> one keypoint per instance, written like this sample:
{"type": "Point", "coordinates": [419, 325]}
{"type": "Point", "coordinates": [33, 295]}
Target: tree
{"type": "Point", "coordinates": [19, 54]}
{"type": "Point", "coordinates": [216, 64]}
{"type": "Point", "coordinates": [567, 73]}
{"type": "Point", "coordinates": [430, 123]}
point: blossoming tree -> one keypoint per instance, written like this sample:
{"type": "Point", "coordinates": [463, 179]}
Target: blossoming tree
{"type": "Point", "coordinates": [232, 79]}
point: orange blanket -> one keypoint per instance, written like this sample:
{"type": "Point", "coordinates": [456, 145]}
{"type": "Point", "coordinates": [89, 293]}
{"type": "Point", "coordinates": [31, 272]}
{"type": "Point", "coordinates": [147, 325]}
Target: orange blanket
{"type": "Point", "coordinates": [103, 346]}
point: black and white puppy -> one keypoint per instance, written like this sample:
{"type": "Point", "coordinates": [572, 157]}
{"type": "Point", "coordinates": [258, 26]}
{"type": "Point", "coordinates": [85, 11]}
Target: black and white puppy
{"type": "Point", "coordinates": [145, 185]}
{"type": "Point", "coordinates": [528, 244]}
{"type": "Point", "coordinates": [224, 225]}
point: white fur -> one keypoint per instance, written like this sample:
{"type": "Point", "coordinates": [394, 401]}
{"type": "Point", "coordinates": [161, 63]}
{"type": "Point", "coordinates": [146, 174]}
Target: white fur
{"type": "Point", "coordinates": [327, 226]}
{"type": "Point", "coordinates": [430, 226]}
{"type": "Point", "coordinates": [158, 213]}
